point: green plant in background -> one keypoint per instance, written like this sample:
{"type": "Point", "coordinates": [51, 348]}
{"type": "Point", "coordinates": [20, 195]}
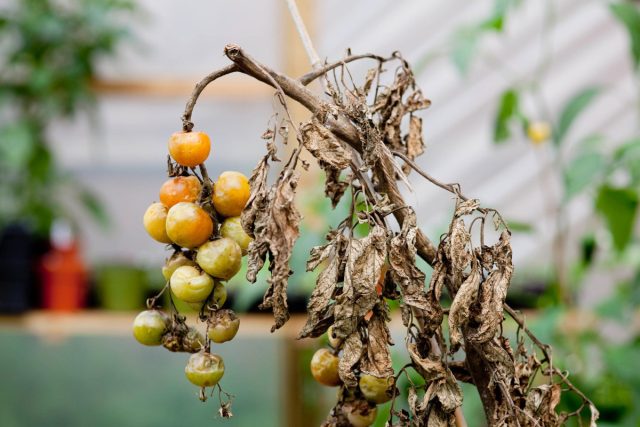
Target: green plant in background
{"type": "Point", "coordinates": [48, 50]}
{"type": "Point", "coordinates": [601, 347]}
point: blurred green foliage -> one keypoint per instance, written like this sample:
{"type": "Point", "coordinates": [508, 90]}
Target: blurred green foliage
{"type": "Point", "coordinates": [48, 55]}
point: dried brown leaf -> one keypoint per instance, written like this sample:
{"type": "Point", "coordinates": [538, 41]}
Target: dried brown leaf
{"type": "Point", "coordinates": [275, 230]}
{"type": "Point", "coordinates": [365, 258]}
{"type": "Point", "coordinates": [324, 146]}
{"type": "Point", "coordinates": [493, 292]}
{"type": "Point", "coordinates": [405, 273]}
{"type": "Point", "coordinates": [352, 351]}
{"type": "Point", "coordinates": [460, 307]}
{"type": "Point", "coordinates": [320, 308]}
{"type": "Point", "coordinates": [376, 360]}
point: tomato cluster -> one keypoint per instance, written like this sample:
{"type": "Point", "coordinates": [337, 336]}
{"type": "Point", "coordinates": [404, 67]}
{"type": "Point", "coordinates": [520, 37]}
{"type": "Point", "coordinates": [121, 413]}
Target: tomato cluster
{"type": "Point", "coordinates": [371, 391]}
{"type": "Point", "coordinates": [200, 219]}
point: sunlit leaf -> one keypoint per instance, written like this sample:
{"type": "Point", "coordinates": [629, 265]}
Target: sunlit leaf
{"type": "Point", "coordinates": [572, 110]}
{"type": "Point", "coordinates": [618, 207]}
{"type": "Point", "coordinates": [629, 15]}
{"type": "Point", "coordinates": [507, 109]}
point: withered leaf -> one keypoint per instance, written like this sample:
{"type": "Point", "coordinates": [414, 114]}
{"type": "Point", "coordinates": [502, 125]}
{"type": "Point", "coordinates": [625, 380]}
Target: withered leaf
{"type": "Point", "coordinates": [352, 351]}
{"type": "Point", "coordinates": [413, 141]}
{"type": "Point", "coordinates": [376, 360]}
{"type": "Point", "coordinates": [368, 81]}
{"type": "Point", "coordinates": [324, 146]}
{"type": "Point", "coordinates": [460, 307]}
{"type": "Point", "coordinates": [319, 307]}
{"type": "Point", "coordinates": [459, 239]}
{"type": "Point", "coordinates": [365, 258]}
{"type": "Point", "coordinates": [466, 207]}
{"type": "Point", "coordinates": [541, 404]}
{"type": "Point", "coordinates": [493, 292]}
{"type": "Point", "coordinates": [332, 156]}
{"type": "Point", "coordinates": [405, 273]}
{"type": "Point", "coordinates": [275, 230]}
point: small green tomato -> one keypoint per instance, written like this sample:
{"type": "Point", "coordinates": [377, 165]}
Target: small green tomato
{"type": "Point", "coordinates": [224, 326]}
{"type": "Point", "coordinates": [204, 369]}
{"type": "Point", "coordinates": [221, 258]}
{"type": "Point", "coordinates": [377, 390]}
{"type": "Point", "coordinates": [219, 297]}
{"type": "Point", "coordinates": [149, 326]}
{"type": "Point", "coordinates": [232, 228]}
{"type": "Point", "coordinates": [190, 284]}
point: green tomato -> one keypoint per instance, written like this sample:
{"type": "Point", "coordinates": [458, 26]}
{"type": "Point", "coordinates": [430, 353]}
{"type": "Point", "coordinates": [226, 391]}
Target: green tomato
{"type": "Point", "coordinates": [232, 228]}
{"type": "Point", "coordinates": [190, 284]}
{"type": "Point", "coordinates": [377, 390]}
{"type": "Point", "coordinates": [204, 369]}
{"type": "Point", "coordinates": [177, 260]}
{"type": "Point", "coordinates": [224, 326]}
{"type": "Point", "coordinates": [219, 297]}
{"type": "Point", "coordinates": [149, 326]}
{"type": "Point", "coordinates": [221, 258]}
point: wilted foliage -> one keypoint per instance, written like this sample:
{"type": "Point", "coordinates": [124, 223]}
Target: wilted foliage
{"type": "Point", "coordinates": [355, 134]}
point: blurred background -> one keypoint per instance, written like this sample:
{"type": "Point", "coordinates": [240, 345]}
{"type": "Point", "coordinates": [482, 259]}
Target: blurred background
{"type": "Point", "coordinates": [536, 112]}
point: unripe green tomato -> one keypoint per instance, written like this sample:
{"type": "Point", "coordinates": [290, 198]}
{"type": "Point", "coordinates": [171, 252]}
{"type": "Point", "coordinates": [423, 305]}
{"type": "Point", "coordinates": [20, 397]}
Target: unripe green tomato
{"type": "Point", "coordinates": [360, 415]}
{"type": "Point", "coordinates": [377, 390]}
{"type": "Point", "coordinates": [190, 284]}
{"type": "Point", "coordinates": [221, 258]}
{"type": "Point", "coordinates": [149, 326]}
{"type": "Point", "coordinates": [204, 369]}
{"type": "Point", "coordinates": [334, 342]}
{"type": "Point", "coordinates": [224, 326]}
{"type": "Point", "coordinates": [177, 260]}
{"type": "Point", "coordinates": [218, 299]}
{"type": "Point", "coordinates": [324, 367]}
{"type": "Point", "coordinates": [232, 228]}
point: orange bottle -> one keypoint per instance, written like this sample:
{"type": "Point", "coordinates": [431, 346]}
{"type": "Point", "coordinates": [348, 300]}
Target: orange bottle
{"type": "Point", "coordinates": [64, 275]}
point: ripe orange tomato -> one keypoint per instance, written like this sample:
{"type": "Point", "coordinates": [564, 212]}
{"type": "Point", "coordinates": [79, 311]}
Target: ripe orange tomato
{"type": "Point", "coordinates": [188, 225]}
{"type": "Point", "coordinates": [230, 193]}
{"type": "Point", "coordinates": [180, 189]}
{"type": "Point", "coordinates": [154, 221]}
{"type": "Point", "coordinates": [189, 148]}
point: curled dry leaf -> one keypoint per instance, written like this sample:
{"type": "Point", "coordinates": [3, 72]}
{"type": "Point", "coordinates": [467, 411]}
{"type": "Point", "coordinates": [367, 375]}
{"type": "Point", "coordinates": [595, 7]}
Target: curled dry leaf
{"type": "Point", "coordinates": [275, 230]}
{"type": "Point", "coordinates": [365, 258]}
{"type": "Point", "coordinates": [493, 291]}
{"type": "Point", "coordinates": [413, 141]}
{"type": "Point", "coordinates": [352, 351]}
{"type": "Point", "coordinates": [408, 277]}
{"type": "Point", "coordinates": [460, 307]}
{"type": "Point", "coordinates": [320, 307]}
{"type": "Point", "coordinates": [376, 359]}
{"type": "Point", "coordinates": [541, 404]}
{"type": "Point", "coordinates": [332, 156]}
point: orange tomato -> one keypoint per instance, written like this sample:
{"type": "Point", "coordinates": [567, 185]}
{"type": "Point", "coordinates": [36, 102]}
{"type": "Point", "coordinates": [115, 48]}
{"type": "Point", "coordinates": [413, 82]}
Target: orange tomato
{"type": "Point", "coordinates": [188, 225]}
{"type": "Point", "coordinates": [180, 189]}
{"type": "Point", "coordinates": [154, 221]}
{"type": "Point", "coordinates": [230, 193]}
{"type": "Point", "coordinates": [189, 148]}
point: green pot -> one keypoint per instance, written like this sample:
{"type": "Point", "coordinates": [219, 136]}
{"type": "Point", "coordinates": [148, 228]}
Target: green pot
{"type": "Point", "coordinates": [121, 287]}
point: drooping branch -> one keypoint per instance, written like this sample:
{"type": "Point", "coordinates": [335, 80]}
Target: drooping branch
{"type": "Point", "coordinates": [197, 90]}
